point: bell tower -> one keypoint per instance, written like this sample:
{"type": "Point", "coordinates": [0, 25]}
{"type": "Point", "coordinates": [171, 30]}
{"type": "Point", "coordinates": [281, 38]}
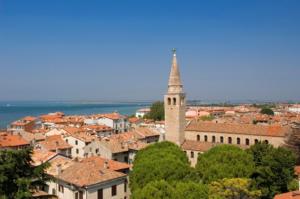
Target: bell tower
{"type": "Point", "coordinates": [174, 102]}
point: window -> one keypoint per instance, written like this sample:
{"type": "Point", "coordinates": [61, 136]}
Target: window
{"type": "Point", "coordinates": [192, 154]}
{"type": "Point", "coordinates": [80, 195]}
{"type": "Point", "coordinates": [77, 151]}
{"type": "Point", "coordinates": [100, 194]}
{"type": "Point", "coordinates": [61, 188]}
{"type": "Point", "coordinates": [221, 139]}
{"type": "Point", "coordinates": [213, 138]}
{"type": "Point", "coordinates": [247, 141]}
{"type": "Point", "coordinates": [229, 140]}
{"type": "Point", "coordinates": [205, 138]}
{"type": "Point", "coordinates": [125, 186]}
{"type": "Point", "coordinates": [126, 159]}
{"type": "Point", "coordinates": [76, 142]}
{"type": "Point", "coordinates": [53, 191]}
{"type": "Point", "coordinates": [256, 141]}
{"type": "Point", "coordinates": [174, 101]}
{"type": "Point", "coordinates": [67, 140]}
{"type": "Point", "coordinates": [97, 150]}
{"type": "Point", "coordinates": [266, 141]}
{"type": "Point", "coordinates": [198, 137]}
{"type": "Point", "coordinates": [238, 140]}
{"type": "Point", "coordinates": [114, 190]}
{"type": "Point", "coordinates": [169, 101]}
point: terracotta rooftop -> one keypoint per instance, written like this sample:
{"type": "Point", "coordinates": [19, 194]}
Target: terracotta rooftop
{"type": "Point", "coordinates": [41, 156]}
{"type": "Point", "coordinates": [83, 136]}
{"type": "Point", "coordinates": [144, 132]}
{"type": "Point", "coordinates": [85, 173]}
{"type": "Point", "coordinates": [123, 142]}
{"type": "Point", "coordinates": [246, 129]}
{"type": "Point", "coordinates": [8, 140]}
{"type": "Point", "coordinates": [288, 195]}
{"type": "Point", "coordinates": [113, 116]}
{"type": "Point", "coordinates": [112, 165]}
{"type": "Point", "coordinates": [55, 142]}
{"type": "Point", "coordinates": [97, 127]}
{"type": "Point", "coordinates": [64, 162]}
{"type": "Point", "coordinates": [193, 145]}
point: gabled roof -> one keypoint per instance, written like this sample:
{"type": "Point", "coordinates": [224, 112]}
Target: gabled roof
{"type": "Point", "coordinates": [9, 140]}
{"type": "Point", "coordinates": [88, 172]}
{"type": "Point", "coordinates": [41, 156]}
{"type": "Point", "coordinates": [55, 142]}
{"type": "Point", "coordinates": [246, 129]}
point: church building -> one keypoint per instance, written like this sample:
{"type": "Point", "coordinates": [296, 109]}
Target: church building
{"type": "Point", "coordinates": [197, 137]}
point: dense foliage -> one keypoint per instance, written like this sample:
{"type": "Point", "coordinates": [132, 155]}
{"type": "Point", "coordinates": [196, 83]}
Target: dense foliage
{"type": "Point", "coordinates": [224, 161]}
{"type": "Point", "coordinates": [176, 190]}
{"type": "Point", "coordinates": [157, 111]}
{"type": "Point", "coordinates": [233, 188]}
{"type": "Point", "coordinates": [207, 118]}
{"type": "Point", "coordinates": [267, 111]}
{"type": "Point", "coordinates": [160, 161]}
{"type": "Point", "coordinates": [17, 176]}
{"type": "Point", "coordinates": [274, 169]}
{"type": "Point", "coordinates": [162, 170]}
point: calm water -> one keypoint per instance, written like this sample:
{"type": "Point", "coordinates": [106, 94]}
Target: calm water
{"type": "Point", "coordinates": [11, 111]}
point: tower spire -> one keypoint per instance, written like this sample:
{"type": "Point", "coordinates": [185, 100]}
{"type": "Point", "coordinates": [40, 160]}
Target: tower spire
{"type": "Point", "coordinates": [175, 84]}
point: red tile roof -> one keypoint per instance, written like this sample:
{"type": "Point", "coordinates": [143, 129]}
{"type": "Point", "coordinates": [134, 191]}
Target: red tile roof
{"type": "Point", "coordinates": [246, 129]}
{"type": "Point", "coordinates": [288, 195]}
{"type": "Point", "coordinates": [10, 141]}
{"type": "Point", "coordinates": [55, 142]}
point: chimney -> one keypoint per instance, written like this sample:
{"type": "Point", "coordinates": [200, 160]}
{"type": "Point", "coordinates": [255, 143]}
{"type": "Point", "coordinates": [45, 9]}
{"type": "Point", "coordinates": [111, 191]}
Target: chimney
{"type": "Point", "coordinates": [58, 169]}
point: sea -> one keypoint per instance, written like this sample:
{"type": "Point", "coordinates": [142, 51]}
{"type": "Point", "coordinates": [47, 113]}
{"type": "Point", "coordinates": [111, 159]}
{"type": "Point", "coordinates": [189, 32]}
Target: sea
{"type": "Point", "coordinates": [14, 110]}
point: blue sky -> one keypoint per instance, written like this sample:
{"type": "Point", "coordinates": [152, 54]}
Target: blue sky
{"type": "Point", "coordinates": [121, 50]}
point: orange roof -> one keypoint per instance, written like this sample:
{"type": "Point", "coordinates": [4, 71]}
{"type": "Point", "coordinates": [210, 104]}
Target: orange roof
{"type": "Point", "coordinates": [29, 118]}
{"type": "Point", "coordinates": [8, 140]}
{"type": "Point", "coordinates": [193, 145]}
{"type": "Point", "coordinates": [72, 130]}
{"type": "Point", "coordinates": [288, 195]}
{"type": "Point", "coordinates": [55, 142]}
{"type": "Point", "coordinates": [83, 136]}
{"type": "Point", "coordinates": [97, 127]}
{"type": "Point", "coordinates": [144, 132]}
{"type": "Point", "coordinates": [112, 165]}
{"type": "Point", "coordinates": [134, 120]}
{"type": "Point", "coordinates": [41, 156]}
{"type": "Point", "coordinates": [86, 173]}
{"type": "Point", "coordinates": [113, 116]}
{"type": "Point", "coordinates": [246, 129]}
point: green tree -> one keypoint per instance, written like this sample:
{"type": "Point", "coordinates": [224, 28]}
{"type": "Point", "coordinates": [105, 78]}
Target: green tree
{"type": "Point", "coordinates": [157, 111]}
{"type": "Point", "coordinates": [207, 118]}
{"type": "Point", "coordinates": [267, 111]}
{"type": "Point", "coordinates": [191, 190]}
{"type": "Point", "coordinates": [17, 176]}
{"type": "Point", "coordinates": [159, 161]}
{"type": "Point", "coordinates": [155, 190]}
{"type": "Point", "coordinates": [176, 190]}
{"type": "Point", "coordinates": [232, 189]}
{"type": "Point", "coordinates": [274, 168]}
{"type": "Point", "coordinates": [224, 161]}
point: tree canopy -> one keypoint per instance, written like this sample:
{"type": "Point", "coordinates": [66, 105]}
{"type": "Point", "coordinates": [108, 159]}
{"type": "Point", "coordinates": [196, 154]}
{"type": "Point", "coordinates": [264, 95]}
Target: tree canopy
{"type": "Point", "coordinates": [17, 176]}
{"type": "Point", "coordinates": [233, 188]}
{"type": "Point", "coordinates": [267, 111]}
{"type": "Point", "coordinates": [274, 169]}
{"type": "Point", "coordinates": [176, 190]}
{"type": "Point", "coordinates": [159, 161]}
{"type": "Point", "coordinates": [157, 111]}
{"type": "Point", "coordinates": [224, 161]}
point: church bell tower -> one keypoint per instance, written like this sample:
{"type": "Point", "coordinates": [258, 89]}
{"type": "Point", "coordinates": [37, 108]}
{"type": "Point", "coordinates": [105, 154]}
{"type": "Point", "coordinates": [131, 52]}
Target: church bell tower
{"type": "Point", "coordinates": [174, 102]}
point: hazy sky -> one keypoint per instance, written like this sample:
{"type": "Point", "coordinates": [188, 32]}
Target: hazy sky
{"type": "Point", "coordinates": [121, 50]}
